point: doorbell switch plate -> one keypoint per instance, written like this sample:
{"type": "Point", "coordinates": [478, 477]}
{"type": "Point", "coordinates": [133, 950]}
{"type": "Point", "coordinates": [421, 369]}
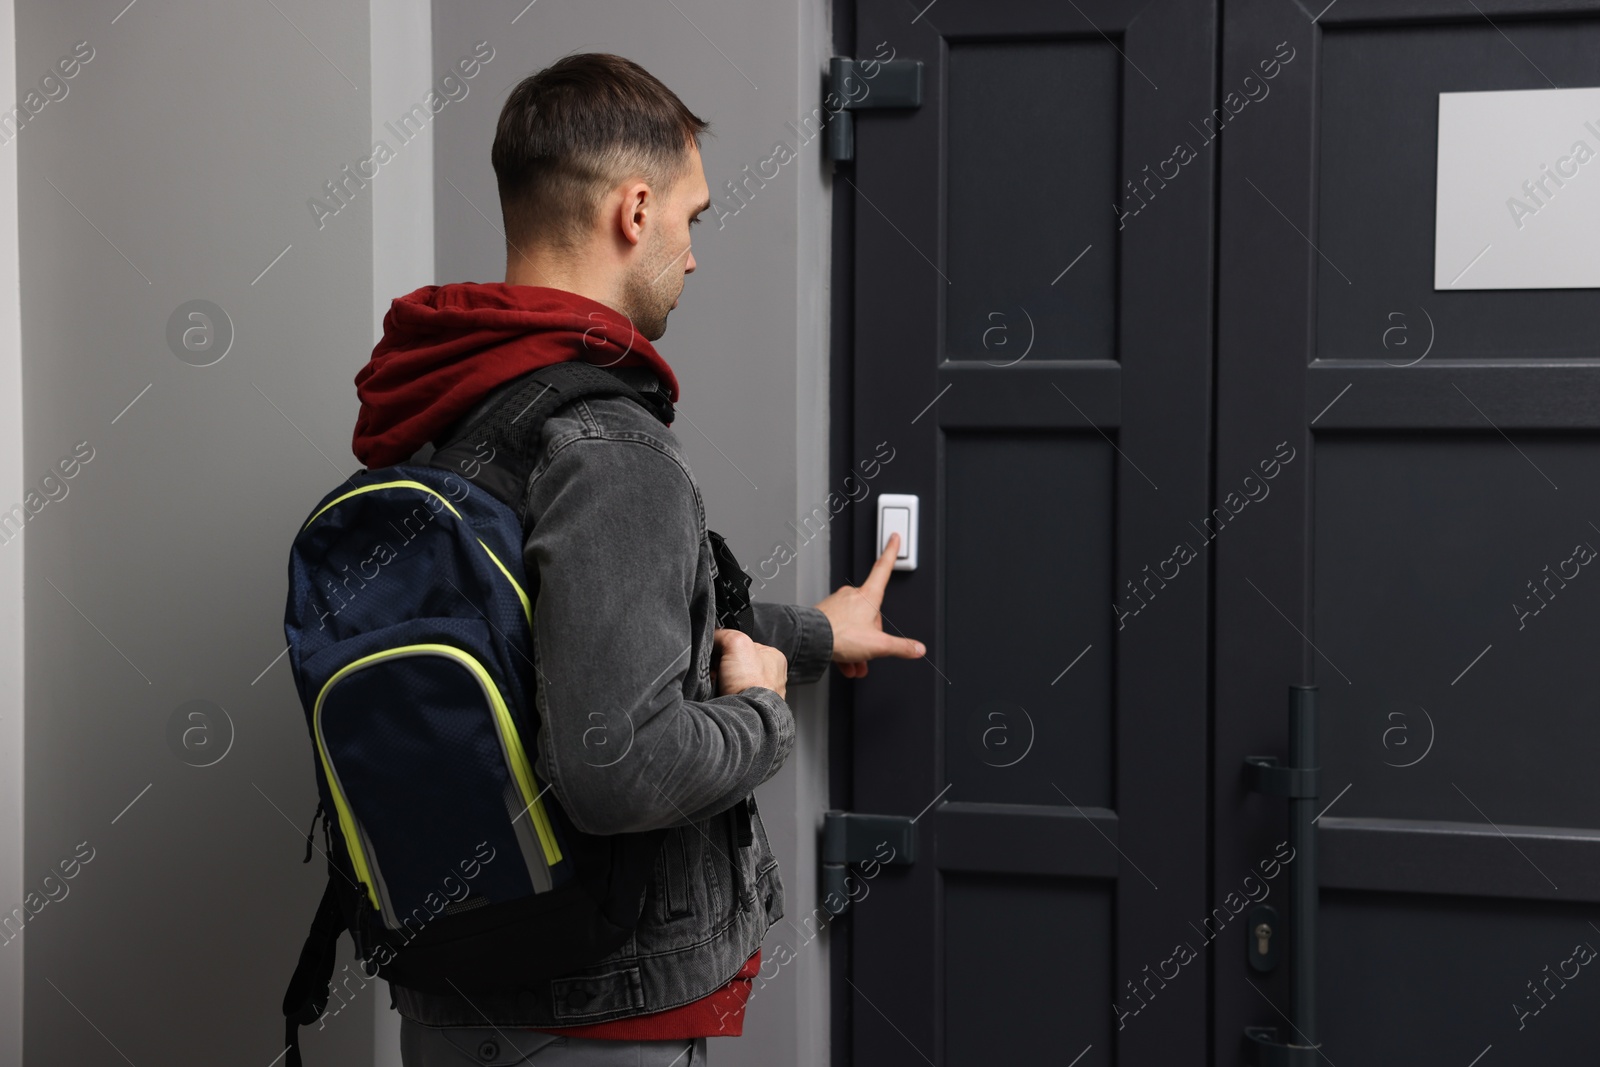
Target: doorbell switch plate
{"type": "Point", "coordinates": [897, 513]}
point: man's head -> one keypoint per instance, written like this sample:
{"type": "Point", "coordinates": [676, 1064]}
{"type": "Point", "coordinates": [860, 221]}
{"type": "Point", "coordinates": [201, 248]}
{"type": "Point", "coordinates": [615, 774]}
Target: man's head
{"type": "Point", "coordinates": [600, 178]}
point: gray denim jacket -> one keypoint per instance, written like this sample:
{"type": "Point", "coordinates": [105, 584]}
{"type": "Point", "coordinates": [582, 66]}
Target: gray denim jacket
{"type": "Point", "coordinates": [634, 737]}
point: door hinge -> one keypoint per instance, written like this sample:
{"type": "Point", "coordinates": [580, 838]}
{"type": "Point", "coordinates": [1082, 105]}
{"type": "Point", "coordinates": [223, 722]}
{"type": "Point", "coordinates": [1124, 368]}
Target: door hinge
{"type": "Point", "coordinates": [868, 83]}
{"type": "Point", "coordinates": [849, 839]}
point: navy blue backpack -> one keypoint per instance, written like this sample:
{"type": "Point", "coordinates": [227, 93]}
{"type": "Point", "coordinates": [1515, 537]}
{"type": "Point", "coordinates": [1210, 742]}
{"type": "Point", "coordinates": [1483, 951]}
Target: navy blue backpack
{"type": "Point", "coordinates": [408, 621]}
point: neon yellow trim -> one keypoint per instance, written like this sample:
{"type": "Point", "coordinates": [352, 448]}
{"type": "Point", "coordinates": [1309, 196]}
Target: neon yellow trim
{"type": "Point", "coordinates": [521, 770]}
{"type": "Point", "coordinates": [402, 484]}
{"type": "Point", "coordinates": [527, 608]}
{"type": "Point", "coordinates": [347, 821]}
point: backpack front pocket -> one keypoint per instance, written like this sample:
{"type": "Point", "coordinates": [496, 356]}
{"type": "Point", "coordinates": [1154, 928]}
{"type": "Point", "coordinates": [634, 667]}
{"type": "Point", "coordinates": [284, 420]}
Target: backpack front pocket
{"type": "Point", "coordinates": [428, 774]}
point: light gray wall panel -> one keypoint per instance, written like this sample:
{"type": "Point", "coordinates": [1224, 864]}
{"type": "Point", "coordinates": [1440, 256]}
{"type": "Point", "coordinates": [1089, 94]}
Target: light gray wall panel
{"type": "Point", "coordinates": [179, 167]}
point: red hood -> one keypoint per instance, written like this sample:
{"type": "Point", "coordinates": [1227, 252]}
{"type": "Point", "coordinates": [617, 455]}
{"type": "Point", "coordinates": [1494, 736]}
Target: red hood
{"type": "Point", "coordinates": [445, 347]}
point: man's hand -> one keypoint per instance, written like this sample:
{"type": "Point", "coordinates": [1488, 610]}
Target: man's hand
{"type": "Point", "coordinates": [744, 663]}
{"type": "Point", "coordinates": [858, 627]}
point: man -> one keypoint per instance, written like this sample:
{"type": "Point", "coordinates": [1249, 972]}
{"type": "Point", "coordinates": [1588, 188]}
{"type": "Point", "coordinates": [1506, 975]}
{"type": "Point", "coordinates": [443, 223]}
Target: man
{"type": "Point", "coordinates": [600, 180]}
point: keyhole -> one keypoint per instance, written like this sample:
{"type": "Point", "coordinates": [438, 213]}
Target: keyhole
{"type": "Point", "coordinates": [1263, 934]}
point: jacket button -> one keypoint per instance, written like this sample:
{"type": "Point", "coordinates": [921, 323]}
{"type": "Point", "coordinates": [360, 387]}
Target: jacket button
{"type": "Point", "coordinates": [488, 1051]}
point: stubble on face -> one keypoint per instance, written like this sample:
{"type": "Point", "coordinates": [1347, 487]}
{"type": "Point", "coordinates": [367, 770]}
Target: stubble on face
{"type": "Point", "coordinates": [653, 287]}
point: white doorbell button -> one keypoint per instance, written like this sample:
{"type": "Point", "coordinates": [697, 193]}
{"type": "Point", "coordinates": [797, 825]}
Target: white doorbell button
{"type": "Point", "coordinates": [897, 513]}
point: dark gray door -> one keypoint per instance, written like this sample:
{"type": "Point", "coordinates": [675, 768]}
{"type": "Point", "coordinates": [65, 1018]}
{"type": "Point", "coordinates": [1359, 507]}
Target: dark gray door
{"type": "Point", "coordinates": [1422, 557]}
{"type": "Point", "coordinates": [1031, 334]}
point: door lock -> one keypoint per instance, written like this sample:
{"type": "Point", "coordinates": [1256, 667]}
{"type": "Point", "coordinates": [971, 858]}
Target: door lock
{"type": "Point", "coordinates": [1264, 946]}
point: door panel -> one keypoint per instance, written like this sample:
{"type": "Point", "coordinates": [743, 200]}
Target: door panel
{"type": "Point", "coordinates": [1401, 562]}
{"type": "Point", "coordinates": [1475, 961]}
{"type": "Point", "coordinates": [1376, 135]}
{"type": "Point", "coordinates": [986, 1021]}
{"type": "Point", "coordinates": [1424, 547]}
{"type": "Point", "coordinates": [1016, 597]}
{"type": "Point", "coordinates": [1010, 142]}
{"type": "Point", "coordinates": [1032, 334]}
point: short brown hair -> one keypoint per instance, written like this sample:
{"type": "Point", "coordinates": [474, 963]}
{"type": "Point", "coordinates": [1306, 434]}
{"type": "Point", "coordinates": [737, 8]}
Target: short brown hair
{"type": "Point", "coordinates": [576, 129]}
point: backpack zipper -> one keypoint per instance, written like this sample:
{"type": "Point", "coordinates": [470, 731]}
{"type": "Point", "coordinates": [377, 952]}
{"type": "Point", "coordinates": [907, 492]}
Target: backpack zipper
{"type": "Point", "coordinates": [361, 856]}
{"type": "Point", "coordinates": [406, 483]}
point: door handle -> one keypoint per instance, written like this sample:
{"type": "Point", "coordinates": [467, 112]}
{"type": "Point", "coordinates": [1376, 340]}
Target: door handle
{"type": "Point", "coordinates": [1297, 782]}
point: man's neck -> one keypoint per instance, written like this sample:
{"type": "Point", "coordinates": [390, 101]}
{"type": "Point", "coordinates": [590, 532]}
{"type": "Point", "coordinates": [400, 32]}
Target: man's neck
{"type": "Point", "coordinates": [532, 268]}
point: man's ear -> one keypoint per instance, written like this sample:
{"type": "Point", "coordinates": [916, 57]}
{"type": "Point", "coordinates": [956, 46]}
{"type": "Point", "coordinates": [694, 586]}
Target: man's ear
{"type": "Point", "coordinates": [634, 206]}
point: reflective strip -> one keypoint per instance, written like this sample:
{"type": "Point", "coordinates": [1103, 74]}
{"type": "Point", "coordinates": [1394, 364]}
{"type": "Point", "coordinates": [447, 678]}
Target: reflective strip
{"type": "Point", "coordinates": [383, 894]}
{"type": "Point", "coordinates": [517, 757]}
{"type": "Point", "coordinates": [347, 821]}
{"type": "Point", "coordinates": [527, 608]}
{"type": "Point", "coordinates": [403, 484]}
{"type": "Point", "coordinates": [527, 840]}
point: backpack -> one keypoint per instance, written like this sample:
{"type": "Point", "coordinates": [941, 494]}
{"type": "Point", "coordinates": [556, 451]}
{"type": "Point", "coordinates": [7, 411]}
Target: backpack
{"type": "Point", "coordinates": [408, 622]}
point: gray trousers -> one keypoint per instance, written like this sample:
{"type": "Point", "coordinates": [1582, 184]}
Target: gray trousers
{"type": "Point", "coordinates": [488, 1046]}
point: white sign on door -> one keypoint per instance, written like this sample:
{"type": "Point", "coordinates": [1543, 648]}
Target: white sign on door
{"type": "Point", "coordinates": [1518, 204]}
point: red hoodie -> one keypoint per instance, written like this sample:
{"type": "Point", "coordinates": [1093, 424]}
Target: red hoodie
{"type": "Point", "coordinates": [445, 347]}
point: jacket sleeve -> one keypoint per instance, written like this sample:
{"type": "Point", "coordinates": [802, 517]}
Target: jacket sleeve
{"type": "Point", "coordinates": [801, 633]}
{"type": "Point", "coordinates": [616, 544]}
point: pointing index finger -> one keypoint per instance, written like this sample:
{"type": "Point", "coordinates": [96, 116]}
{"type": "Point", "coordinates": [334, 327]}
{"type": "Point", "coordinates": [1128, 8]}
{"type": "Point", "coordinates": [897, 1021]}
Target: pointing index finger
{"type": "Point", "coordinates": [879, 577]}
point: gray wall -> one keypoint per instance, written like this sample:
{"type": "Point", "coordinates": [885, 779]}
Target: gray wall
{"type": "Point", "coordinates": [12, 878]}
{"type": "Point", "coordinates": [178, 167]}
{"type": "Point", "coordinates": [748, 343]}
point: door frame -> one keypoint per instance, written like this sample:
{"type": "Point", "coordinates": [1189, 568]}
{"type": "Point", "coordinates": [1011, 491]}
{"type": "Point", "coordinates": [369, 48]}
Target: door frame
{"type": "Point", "coordinates": [841, 538]}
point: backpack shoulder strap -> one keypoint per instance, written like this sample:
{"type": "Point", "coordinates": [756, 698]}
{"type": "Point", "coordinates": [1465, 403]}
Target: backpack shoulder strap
{"type": "Point", "coordinates": [497, 449]}
{"type": "Point", "coordinates": [732, 587]}
{"type": "Point", "coordinates": [307, 996]}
